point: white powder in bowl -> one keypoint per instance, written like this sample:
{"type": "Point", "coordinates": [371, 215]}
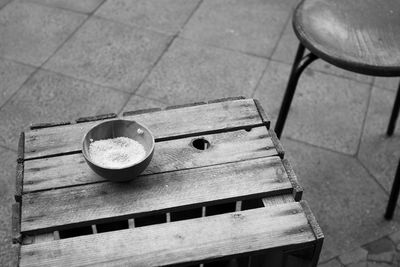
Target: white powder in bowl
{"type": "Point", "coordinates": [117, 152]}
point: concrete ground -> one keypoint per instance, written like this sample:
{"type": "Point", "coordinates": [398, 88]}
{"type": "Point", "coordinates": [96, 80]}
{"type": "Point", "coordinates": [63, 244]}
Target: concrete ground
{"type": "Point", "coordinates": [63, 59]}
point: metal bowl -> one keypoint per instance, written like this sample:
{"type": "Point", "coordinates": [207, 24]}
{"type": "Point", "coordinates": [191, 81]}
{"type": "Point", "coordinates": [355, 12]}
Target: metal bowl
{"type": "Point", "coordinates": [119, 128]}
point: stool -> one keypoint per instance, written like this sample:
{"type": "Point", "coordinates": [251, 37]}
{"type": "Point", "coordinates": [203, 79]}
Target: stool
{"type": "Point", "coordinates": [361, 36]}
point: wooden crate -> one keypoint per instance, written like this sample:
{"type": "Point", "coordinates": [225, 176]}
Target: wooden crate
{"type": "Point", "coordinates": [218, 192]}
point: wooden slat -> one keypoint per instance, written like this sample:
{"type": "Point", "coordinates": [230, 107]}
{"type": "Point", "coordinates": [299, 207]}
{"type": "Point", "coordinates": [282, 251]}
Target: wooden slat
{"type": "Point", "coordinates": [15, 252]}
{"type": "Point", "coordinates": [263, 114]}
{"type": "Point", "coordinates": [202, 239]}
{"type": "Point", "coordinates": [297, 188]}
{"type": "Point", "coordinates": [19, 177]}
{"type": "Point", "coordinates": [19, 180]}
{"type": "Point", "coordinates": [16, 223]}
{"type": "Point", "coordinates": [167, 124]}
{"type": "Point", "coordinates": [21, 148]}
{"type": "Point", "coordinates": [277, 143]}
{"type": "Point", "coordinates": [101, 202]}
{"type": "Point", "coordinates": [277, 200]}
{"type": "Point", "coordinates": [140, 111]}
{"type": "Point", "coordinates": [186, 105]}
{"type": "Point", "coordinates": [41, 125]}
{"type": "Point", "coordinates": [171, 155]}
{"type": "Point", "coordinates": [319, 236]}
{"type": "Point", "coordinates": [96, 118]}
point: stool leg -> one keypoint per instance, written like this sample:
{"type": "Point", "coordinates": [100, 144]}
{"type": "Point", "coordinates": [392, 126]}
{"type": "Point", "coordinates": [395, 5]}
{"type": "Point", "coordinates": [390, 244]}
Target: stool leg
{"type": "Point", "coordinates": [299, 65]}
{"type": "Point", "coordinates": [394, 194]}
{"type": "Point", "coordinates": [395, 114]}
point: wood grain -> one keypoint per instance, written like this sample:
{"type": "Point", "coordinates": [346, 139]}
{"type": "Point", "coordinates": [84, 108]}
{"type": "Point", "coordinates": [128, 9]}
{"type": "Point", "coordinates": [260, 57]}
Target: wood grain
{"type": "Point", "coordinates": [69, 170]}
{"type": "Point", "coordinates": [19, 179]}
{"type": "Point", "coordinates": [16, 223]}
{"type": "Point", "coordinates": [277, 200]}
{"type": "Point", "coordinates": [172, 191]}
{"type": "Point", "coordinates": [96, 118]}
{"type": "Point", "coordinates": [262, 113]}
{"type": "Point", "coordinates": [169, 124]}
{"type": "Point", "coordinates": [297, 188]}
{"type": "Point", "coordinates": [277, 144]}
{"type": "Point", "coordinates": [319, 236]}
{"type": "Point", "coordinates": [359, 36]}
{"type": "Point", "coordinates": [198, 240]}
{"type": "Point", "coordinates": [21, 148]}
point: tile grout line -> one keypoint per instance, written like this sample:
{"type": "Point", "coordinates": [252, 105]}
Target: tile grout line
{"type": "Point", "coordinates": [6, 4]}
{"type": "Point", "coordinates": [86, 81]}
{"type": "Point", "coordinates": [152, 30]}
{"type": "Point", "coordinates": [325, 72]}
{"type": "Point", "coordinates": [371, 87]}
{"type": "Point", "coordinates": [373, 178]}
{"type": "Point", "coordinates": [7, 148]}
{"type": "Point", "coordinates": [145, 97]}
{"type": "Point", "coordinates": [272, 52]}
{"type": "Point", "coordinates": [319, 147]}
{"type": "Point", "coordinates": [149, 72]}
{"type": "Point", "coordinates": [153, 99]}
{"type": "Point", "coordinates": [225, 48]}
{"type": "Point", "coordinates": [189, 17]}
{"type": "Point", "coordinates": [328, 73]}
{"type": "Point", "coordinates": [57, 7]}
{"type": "Point", "coordinates": [44, 62]}
{"type": "Point", "coordinates": [159, 58]}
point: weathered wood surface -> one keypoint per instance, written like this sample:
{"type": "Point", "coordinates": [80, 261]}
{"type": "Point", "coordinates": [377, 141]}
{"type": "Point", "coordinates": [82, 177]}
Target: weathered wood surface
{"type": "Point", "coordinates": [277, 200]}
{"type": "Point", "coordinates": [19, 180]}
{"type": "Point", "coordinates": [222, 236]}
{"type": "Point", "coordinates": [184, 189]}
{"type": "Point", "coordinates": [168, 124]}
{"type": "Point", "coordinates": [16, 223]}
{"type": "Point", "coordinates": [68, 170]}
{"type": "Point", "coordinates": [297, 188]}
{"type": "Point", "coordinates": [319, 236]}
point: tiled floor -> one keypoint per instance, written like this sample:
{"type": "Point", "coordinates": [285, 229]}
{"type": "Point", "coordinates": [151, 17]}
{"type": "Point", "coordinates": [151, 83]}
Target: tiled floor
{"type": "Point", "coordinates": [64, 59]}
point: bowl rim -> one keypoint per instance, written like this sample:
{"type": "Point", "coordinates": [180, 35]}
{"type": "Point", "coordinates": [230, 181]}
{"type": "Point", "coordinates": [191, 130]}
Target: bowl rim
{"type": "Point", "coordinates": [150, 151]}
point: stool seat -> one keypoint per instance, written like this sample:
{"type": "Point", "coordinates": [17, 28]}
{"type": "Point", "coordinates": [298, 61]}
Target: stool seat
{"type": "Point", "coordinates": [357, 35]}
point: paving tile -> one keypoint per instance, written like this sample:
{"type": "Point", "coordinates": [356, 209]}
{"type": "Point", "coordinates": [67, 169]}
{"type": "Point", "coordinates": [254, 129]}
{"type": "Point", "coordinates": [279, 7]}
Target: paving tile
{"type": "Point", "coordinates": [287, 48]}
{"type": "Point", "coordinates": [86, 6]}
{"type": "Point", "coordinates": [138, 102]}
{"type": "Point", "coordinates": [167, 16]}
{"type": "Point", "coordinates": [326, 111]}
{"type": "Point", "coordinates": [272, 87]}
{"type": "Point", "coordinates": [4, 2]}
{"type": "Point", "coordinates": [356, 255]}
{"type": "Point", "coordinates": [331, 263]}
{"type": "Point", "coordinates": [249, 26]}
{"type": "Point", "coordinates": [109, 54]}
{"type": "Point", "coordinates": [12, 76]}
{"type": "Point", "coordinates": [7, 185]}
{"type": "Point", "coordinates": [379, 153]}
{"type": "Point", "coordinates": [189, 72]}
{"type": "Point", "coordinates": [358, 264]}
{"type": "Point", "coordinates": [380, 246]}
{"type": "Point", "coordinates": [346, 201]}
{"type": "Point", "coordinates": [387, 257]}
{"type": "Point", "coordinates": [31, 33]}
{"type": "Point", "coordinates": [395, 237]}
{"type": "Point", "coordinates": [49, 97]}
{"type": "Point", "coordinates": [378, 264]}
{"type": "Point", "coordinates": [391, 83]}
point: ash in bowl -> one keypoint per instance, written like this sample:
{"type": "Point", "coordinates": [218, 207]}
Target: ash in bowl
{"type": "Point", "coordinates": [117, 152]}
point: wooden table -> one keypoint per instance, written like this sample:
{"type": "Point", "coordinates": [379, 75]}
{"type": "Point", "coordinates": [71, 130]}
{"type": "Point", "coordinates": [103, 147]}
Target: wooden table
{"type": "Point", "coordinates": [218, 191]}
